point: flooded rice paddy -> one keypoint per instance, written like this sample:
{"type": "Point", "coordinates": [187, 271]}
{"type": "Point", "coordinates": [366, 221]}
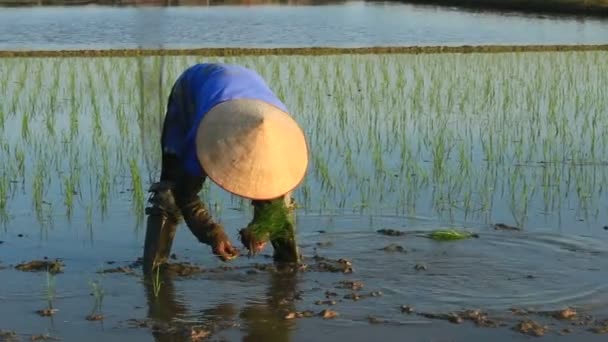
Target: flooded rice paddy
{"type": "Point", "coordinates": [410, 143]}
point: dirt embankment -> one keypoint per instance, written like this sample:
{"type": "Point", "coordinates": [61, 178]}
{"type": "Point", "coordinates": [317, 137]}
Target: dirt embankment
{"type": "Point", "coordinates": [313, 51]}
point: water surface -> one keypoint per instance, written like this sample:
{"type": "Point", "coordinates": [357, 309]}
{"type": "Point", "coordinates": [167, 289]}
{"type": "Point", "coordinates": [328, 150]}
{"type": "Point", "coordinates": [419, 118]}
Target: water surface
{"type": "Point", "coordinates": [414, 143]}
{"type": "Point", "coordinates": [352, 24]}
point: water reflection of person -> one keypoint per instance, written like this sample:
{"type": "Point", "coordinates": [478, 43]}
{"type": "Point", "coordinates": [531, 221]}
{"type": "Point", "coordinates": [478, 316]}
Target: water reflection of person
{"type": "Point", "coordinates": [164, 306]}
{"type": "Point", "coordinates": [262, 321]}
{"type": "Point", "coordinates": [266, 321]}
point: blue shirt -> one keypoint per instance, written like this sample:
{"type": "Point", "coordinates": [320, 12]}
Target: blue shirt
{"type": "Point", "coordinates": [198, 89]}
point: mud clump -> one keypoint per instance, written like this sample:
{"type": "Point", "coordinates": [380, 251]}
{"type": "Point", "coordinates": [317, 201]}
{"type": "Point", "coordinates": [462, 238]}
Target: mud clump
{"type": "Point", "coordinates": [299, 314]}
{"type": "Point", "coordinates": [479, 318]}
{"type": "Point", "coordinates": [393, 248]}
{"type": "Point", "coordinates": [175, 269]}
{"type": "Point", "coordinates": [420, 267]}
{"type": "Point", "coordinates": [181, 269]}
{"type": "Point", "coordinates": [407, 309]}
{"type": "Point", "coordinates": [325, 302]}
{"type": "Point", "coordinates": [8, 335]}
{"type": "Point", "coordinates": [334, 266]}
{"type": "Point", "coordinates": [94, 317]}
{"type": "Point", "coordinates": [476, 316]}
{"type": "Point", "coordinates": [120, 269]}
{"type": "Point", "coordinates": [600, 328]}
{"type": "Point", "coordinates": [53, 267]}
{"type": "Point", "coordinates": [502, 226]}
{"type": "Point", "coordinates": [44, 337]}
{"type": "Point", "coordinates": [390, 232]}
{"type": "Point", "coordinates": [529, 327]}
{"type": "Point", "coordinates": [376, 320]}
{"type": "Point", "coordinates": [352, 296]}
{"type": "Point", "coordinates": [450, 317]}
{"type": "Point", "coordinates": [328, 314]}
{"type": "Point", "coordinates": [329, 294]}
{"type": "Point", "coordinates": [351, 285]}
{"type": "Point", "coordinates": [565, 314]}
{"type": "Point", "coordinates": [46, 312]}
{"type": "Point", "coordinates": [175, 331]}
{"type": "Point", "coordinates": [520, 312]}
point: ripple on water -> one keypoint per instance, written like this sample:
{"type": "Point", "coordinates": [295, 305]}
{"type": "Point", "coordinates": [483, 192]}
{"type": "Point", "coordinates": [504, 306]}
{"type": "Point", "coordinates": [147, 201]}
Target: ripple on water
{"type": "Point", "coordinates": [497, 271]}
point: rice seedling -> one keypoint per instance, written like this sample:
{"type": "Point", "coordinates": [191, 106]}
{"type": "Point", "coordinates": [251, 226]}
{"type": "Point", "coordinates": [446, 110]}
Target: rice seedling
{"type": "Point", "coordinates": [156, 282]}
{"type": "Point", "coordinates": [50, 294]}
{"type": "Point", "coordinates": [98, 295]}
{"type": "Point", "coordinates": [411, 134]}
{"type": "Point", "coordinates": [136, 184]}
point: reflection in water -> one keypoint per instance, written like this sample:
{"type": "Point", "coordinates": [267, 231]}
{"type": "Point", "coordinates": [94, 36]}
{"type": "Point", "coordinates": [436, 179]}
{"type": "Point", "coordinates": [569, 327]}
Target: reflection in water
{"type": "Point", "coordinates": [266, 321]}
{"type": "Point", "coordinates": [165, 306]}
{"type": "Point", "coordinates": [262, 321]}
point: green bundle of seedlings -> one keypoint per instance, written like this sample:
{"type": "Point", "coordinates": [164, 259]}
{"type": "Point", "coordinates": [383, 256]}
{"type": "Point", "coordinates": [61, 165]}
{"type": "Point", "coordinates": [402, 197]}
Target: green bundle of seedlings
{"type": "Point", "coordinates": [273, 220]}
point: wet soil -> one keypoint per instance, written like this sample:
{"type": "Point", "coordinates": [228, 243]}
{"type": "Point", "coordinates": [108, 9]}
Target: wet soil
{"type": "Point", "coordinates": [391, 232]}
{"type": "Point", "coordinates": [335, 291]}
{"type": "Point", "coordinates": [177, 331]}
{"type": "Point", "coordinates": [53, 267]}
{"type": "Point", "coordinates": [532, 328]}
{"type": "Point", "coordinates": [394, 248]}
{"type": "Point", "coordinates": [502, 226]}
{"type": "Point", "coordinates": [46, 312]}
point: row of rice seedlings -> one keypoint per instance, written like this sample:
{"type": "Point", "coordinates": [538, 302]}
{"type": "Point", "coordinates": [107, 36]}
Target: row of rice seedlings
{"type": "Point", "coordinates": [376, 127]}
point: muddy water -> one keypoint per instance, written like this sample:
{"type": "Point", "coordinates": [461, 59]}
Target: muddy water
{"type": "Point", "coordinates": [80, 128]}
{"type": "Point", "coordinates": [495, 272]}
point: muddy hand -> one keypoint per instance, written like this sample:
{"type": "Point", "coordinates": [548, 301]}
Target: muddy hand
{"type": "Point", "coordinates": [223, 249]}
{"type": "Point", "coordinates": [248, 240]}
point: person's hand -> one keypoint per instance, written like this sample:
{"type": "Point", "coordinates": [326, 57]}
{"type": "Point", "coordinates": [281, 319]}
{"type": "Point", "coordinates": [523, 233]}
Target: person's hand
{"type": "Point", "coordinates": [253, 244]}
{"type": "Point", "coordinates": [222, 247]}
{"type": "Point", "coordinates": [225, 251]}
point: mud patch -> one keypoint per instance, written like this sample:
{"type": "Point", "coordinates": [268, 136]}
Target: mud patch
{"type": "Point", "coordinates": [407, 309]}
{"type": "Point", "coordinates": [181, 269]}
{"type": "Point", "coordinates": [299, 314]}
{"type": "Point", "coordinates": [328, 314]}
{"type": "Point", "coordinates": [502, 226]}
{"type": "Point", "coordinates": [8, 336]}
{"type": "Point", "coordinates": [393, 248]}
{"type": "Point", "coordinates": [600, 327]}
{"type": "Point", "coordinates": [44, 337]}
{"type": "Point", "coordinates": [46, 312]}
{"type": "Point", "coordinates": [390, 232]}
{"type": "Point", "coordinates": [354, 285]}
{"type": "Point", "coordinates": [305, 51]}
{"type": "Point", "coordinates": [94, 317]}
{"type": "Point", "coordinates": [565, 314]}
{"type": "Point", "coordinates": [120, 269]}
{"type": "Point", "coordinates": [173, 331]}
{"type": "Point", "coordinates": [478, 317]}
{"type": "Point", "coordinates": [322, 264]}
{"type": "Point", "coordinates": [376, 320]}
{"type": "Point", "coordinates": [54, 267]}
{"type": "Point", "coordinates": [530, 327]}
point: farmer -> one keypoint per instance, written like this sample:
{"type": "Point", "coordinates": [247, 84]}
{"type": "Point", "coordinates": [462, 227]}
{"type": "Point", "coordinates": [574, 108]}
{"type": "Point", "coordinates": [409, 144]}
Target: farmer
{"type": "Point", "coordinates": [223, 122]}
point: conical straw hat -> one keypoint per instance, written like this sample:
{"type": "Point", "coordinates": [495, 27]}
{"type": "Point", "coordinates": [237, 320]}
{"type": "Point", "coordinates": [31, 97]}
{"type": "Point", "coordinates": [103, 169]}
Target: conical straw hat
{"type": "Point", "coordinates": [252, 149]}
